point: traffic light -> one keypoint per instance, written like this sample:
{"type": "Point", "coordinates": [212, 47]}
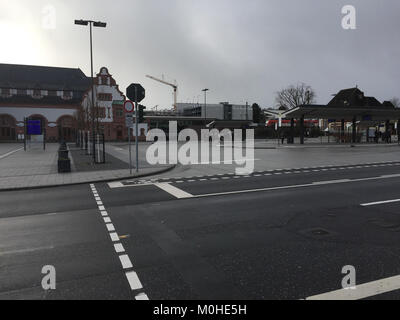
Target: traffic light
{"type": "Point", "coordinates": [141, 113]}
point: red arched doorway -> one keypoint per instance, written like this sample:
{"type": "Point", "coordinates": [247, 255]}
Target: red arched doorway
{"type": "Point", "coordinates": [67, 128]}
{"type": "Point", "coordinates": [7, 128]}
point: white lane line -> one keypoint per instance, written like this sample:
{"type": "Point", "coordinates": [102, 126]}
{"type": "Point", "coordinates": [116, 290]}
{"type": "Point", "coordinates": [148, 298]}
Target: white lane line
{"type": "Point", "coordinates": [142, 297]}
{"type": "Point", "coordinates": [331, 182]}
{"type": "Point", "coordinates": [294, 186]}
{"type": "Point", "coordinates": [114, 237]}
{"type": "Point", "coordinates": [379, 203]}
{"type": "Point", "coordinates": [119, 248]}
{"type": "Point", "coordinates": [10, 153]}
{"type": "Point", "coordinates": [133, 280]}
{"type": "Point", "coordinates": [174, 191]}
{"type": "Point", "coordinates": [361, 291]}
{"type": "Point", "coordinates": [110, 227]}
{"type": "Point", "coordinates": [125, 261]}
{"type": "Point", "coordinates": [132, 277]}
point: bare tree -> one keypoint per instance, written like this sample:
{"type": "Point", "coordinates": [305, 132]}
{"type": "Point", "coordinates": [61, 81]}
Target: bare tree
{"type": "Point", "coordinates": [396, 102]}
{"type": "Point", "coordinates": [295, 96]}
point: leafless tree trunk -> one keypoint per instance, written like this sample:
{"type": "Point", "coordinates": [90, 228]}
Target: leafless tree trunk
{"type": "Point", "coordinates": [295, 96]}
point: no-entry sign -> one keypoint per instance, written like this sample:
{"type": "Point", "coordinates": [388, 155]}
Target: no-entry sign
{"type": "Point", "coordinates": [129, 106]}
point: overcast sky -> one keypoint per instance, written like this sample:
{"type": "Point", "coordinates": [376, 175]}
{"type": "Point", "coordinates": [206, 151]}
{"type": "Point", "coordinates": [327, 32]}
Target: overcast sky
{"type": "Point", "coordinates": [240, 50]}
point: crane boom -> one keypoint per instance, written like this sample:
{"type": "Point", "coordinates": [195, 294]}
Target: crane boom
{"type": "Point", "coordinates": [174, 86]}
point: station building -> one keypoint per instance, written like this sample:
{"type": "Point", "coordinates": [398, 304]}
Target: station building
{"type": "Point", "coordinates": [53, 95]}
{"type": "Point", "coordinates": [61, 99]}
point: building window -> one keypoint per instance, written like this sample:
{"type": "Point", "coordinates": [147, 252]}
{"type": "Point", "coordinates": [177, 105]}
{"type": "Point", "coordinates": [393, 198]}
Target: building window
{"type": "Point", "coordinates": [37, 93]}
{"type": "Point", "coordinates": [21, 92]}
{"type": "Point", "coordinates": [101, 113]}
{"type": "Point", "coordinates": [67, 95]}
{"type": "Point", "coordinates": [104, 80]}
{"type": "Point", "coordinates": [52, 93]}
{"type": "Point", "coordinates": [5, 92]}
{"type": "Point", "coordinates": [119, 113]}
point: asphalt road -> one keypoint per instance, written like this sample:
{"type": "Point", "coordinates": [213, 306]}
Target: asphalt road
{"type": "Point", "coordinates": [279, 234]}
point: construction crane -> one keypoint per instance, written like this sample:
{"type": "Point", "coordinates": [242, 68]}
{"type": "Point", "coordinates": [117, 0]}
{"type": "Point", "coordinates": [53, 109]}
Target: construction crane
{"type": "Point", "coordinates": [174, 86]}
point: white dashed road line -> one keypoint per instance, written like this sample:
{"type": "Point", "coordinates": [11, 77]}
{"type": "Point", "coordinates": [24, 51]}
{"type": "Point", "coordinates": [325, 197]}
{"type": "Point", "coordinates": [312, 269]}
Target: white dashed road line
{"type": "Point", "coordinates": [126, 262]}
{"type": "Point", "coordinates": [256, 174]}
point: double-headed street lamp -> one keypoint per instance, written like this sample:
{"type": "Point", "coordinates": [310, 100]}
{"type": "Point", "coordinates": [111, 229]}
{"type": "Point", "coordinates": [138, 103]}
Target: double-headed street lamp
{"type": "Point", "coordinates": [98, 24]}
{"type": "Point", "coordinates": [205, 103]}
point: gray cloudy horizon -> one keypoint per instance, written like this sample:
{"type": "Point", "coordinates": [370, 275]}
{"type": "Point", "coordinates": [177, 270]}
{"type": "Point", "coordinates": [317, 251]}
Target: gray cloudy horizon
{"type": "Point", "coordinates": [240, 50]}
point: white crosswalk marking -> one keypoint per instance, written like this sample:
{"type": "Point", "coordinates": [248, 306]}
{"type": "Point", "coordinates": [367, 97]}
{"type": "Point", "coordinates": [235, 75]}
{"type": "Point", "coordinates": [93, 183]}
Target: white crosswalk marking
{"type": "Point", "coordinates": [176, 192]}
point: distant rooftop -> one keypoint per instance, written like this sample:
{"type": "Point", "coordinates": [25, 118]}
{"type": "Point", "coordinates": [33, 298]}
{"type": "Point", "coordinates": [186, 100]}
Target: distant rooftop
{"type": "Point", "coordinates": [45, 78]}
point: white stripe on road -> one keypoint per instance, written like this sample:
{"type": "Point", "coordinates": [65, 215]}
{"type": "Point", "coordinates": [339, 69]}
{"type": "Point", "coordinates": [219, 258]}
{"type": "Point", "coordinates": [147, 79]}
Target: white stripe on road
{"type": "Point", "coordinates": [362, 291]}
{"type": "Point", "coordinates": [114, 237]}
{"type": "Point", "coordinates": [119, 248]}
{"type": "Point", "coordinates": [133, 280]}
{"type": "Point", "coordinates": [379, 202]}
{"type": "Point", "coordinates": [125, 261]}
{"type": "Point", "coordinates": [110, 227]}
{"type": "Point", "coordinates": [142, 297]}
{"type": "Point", "coordinates": [295, 186]}
{"type": "Point", "coordinates": [177, 193]}
{"type": "Point", "coordinates": [114, 185]}
{"type": "Point", "coordinates": [331, 182]}
{"type": "Point", "coordinates": [132, 277]}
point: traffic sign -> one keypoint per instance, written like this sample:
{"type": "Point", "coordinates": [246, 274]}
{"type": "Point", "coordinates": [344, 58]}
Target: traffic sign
{"type": "Point", "coordinates": [136, 92]}
{"type": "Point", "coordinates": [129, 106]}
{"type": "Point", "coordinates": [129, 120]}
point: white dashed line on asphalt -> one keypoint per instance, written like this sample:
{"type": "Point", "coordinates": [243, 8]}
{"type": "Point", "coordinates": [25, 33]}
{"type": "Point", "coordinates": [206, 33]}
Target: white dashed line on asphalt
{"type": "Point", "coordinates": [133, 280]}
{"type": "Point", "coordinates": [110, 227]}
{"type": "Point", "coordinates": [126, 262]}
{"type": "Point", "coordinates": [142, 296]}
{"type": "Point", "coordinates": [227, 176]}
{"type": "Point", "coordinates": [114, 237]}
{"type": "Point", "coordinates": [119, 248]}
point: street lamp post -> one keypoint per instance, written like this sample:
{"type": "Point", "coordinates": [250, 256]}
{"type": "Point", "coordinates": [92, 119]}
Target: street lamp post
{"type": "Point", "coordinates": [205, 103]}
{"type": "Point", "coordinates": [99, 25]}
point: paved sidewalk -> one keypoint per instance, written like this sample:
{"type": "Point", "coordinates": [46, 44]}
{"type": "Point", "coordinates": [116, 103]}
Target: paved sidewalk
{"type": "Point", "coordinates": [38, 168]}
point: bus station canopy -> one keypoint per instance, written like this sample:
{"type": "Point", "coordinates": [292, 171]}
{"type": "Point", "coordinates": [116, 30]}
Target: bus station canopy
{"type": "Point", "coordinates": [349, 105]}
{"type": "Point", "coordinates": [380, 113]}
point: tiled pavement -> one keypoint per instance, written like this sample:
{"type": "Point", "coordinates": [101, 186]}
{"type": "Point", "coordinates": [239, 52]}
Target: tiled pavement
{"type": "Point", "coordinates": [38, 168]}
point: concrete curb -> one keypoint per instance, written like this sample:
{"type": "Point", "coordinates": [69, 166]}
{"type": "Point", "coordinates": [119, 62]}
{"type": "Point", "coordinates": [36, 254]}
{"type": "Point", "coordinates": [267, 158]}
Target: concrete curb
{"type": "Point", "coordinates": [144, 175]}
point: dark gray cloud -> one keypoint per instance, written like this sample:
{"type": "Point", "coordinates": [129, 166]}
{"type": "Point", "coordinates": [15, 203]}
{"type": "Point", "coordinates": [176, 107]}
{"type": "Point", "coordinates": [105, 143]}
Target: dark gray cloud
{"type": "Point", "coordinates": [241, 50]}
